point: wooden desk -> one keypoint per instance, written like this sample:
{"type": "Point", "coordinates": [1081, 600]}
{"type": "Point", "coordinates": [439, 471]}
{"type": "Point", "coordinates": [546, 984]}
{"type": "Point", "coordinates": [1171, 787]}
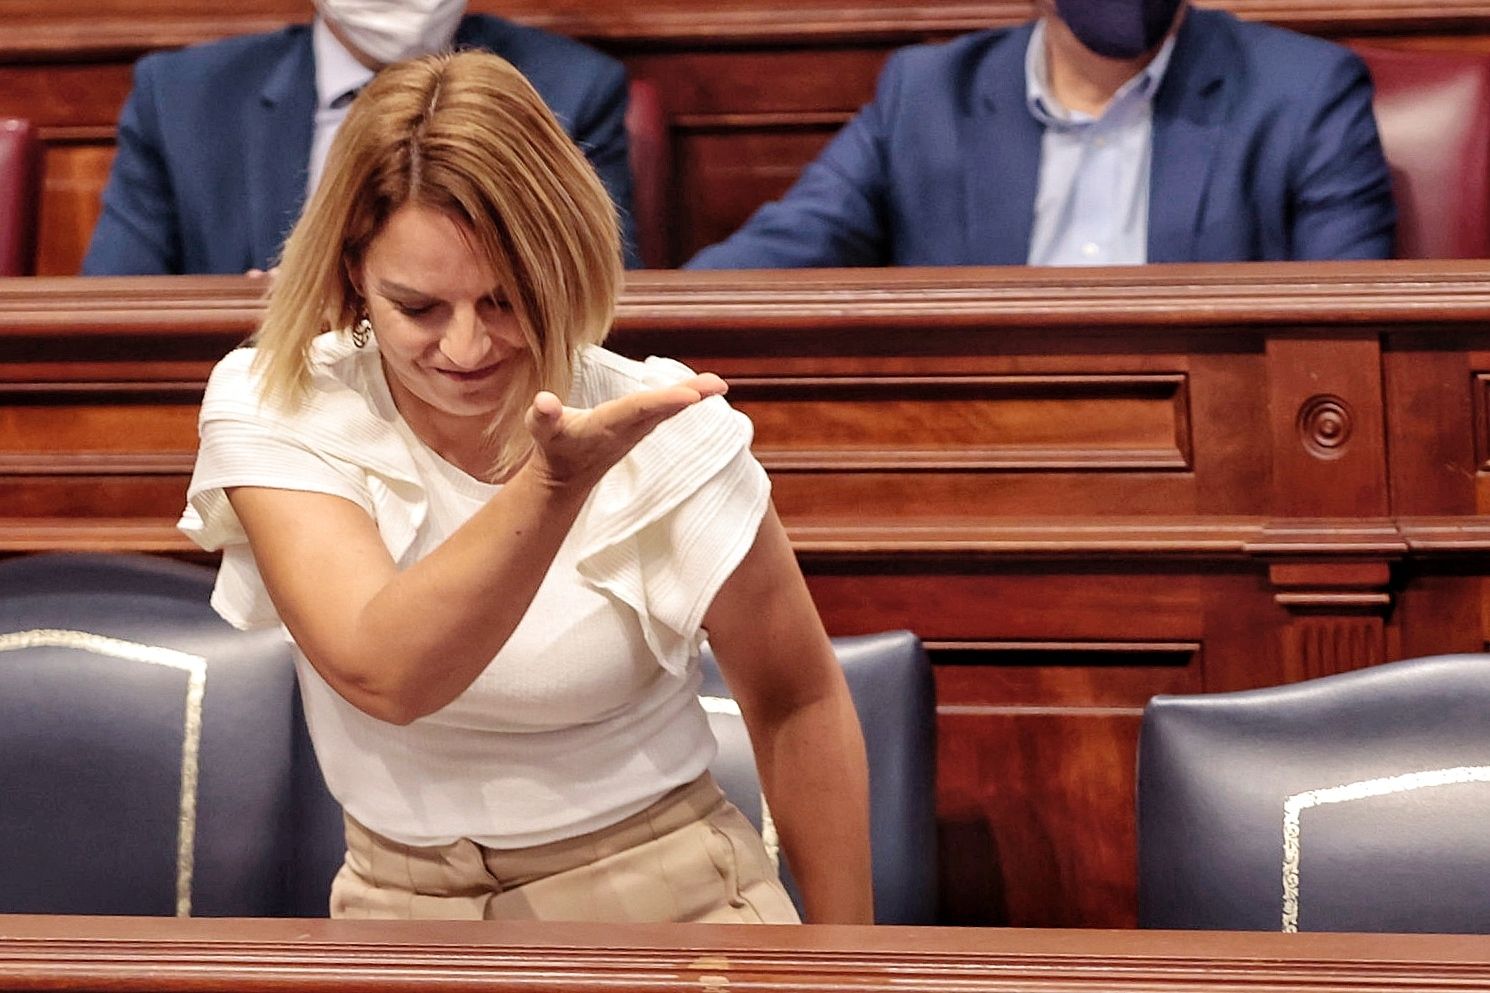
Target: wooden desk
{"type": "Point", "coordinates": [1081, 488]}
{"type": "Point", "coordinates": [86, 954]}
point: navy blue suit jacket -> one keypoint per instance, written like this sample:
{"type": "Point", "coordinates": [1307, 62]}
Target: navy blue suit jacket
{"type": "Point", "coordinates": [1264, 147]}
{"type": "Point", "coordinates": [214, 143]}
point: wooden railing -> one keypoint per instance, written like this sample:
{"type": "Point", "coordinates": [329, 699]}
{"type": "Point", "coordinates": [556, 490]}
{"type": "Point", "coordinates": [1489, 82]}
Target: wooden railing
{"type": "Point", "coordinates": [1080, 488]}
{"type": "Point", "coordinates": [83, 955]}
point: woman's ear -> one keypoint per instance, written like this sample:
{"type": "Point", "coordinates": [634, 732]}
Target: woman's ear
{"type": "Point", "coordinates": [352, 274]}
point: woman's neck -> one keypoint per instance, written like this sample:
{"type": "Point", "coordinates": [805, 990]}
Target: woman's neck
{"type": "Point", "coordinates": [468, 443]}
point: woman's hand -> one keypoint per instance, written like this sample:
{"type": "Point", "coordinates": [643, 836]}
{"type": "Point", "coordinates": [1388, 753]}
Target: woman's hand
{"type": "Point", "coordinates": [575, 446]}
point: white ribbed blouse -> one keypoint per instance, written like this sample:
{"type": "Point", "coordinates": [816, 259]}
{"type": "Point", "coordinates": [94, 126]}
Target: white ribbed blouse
{"type": "Point", "coordinates": [589, 713]}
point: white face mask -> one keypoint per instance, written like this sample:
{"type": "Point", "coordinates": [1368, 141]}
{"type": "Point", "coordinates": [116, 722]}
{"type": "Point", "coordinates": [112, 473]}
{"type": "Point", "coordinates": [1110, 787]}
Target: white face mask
{"type": "Point", "coordinates": [388, 31]}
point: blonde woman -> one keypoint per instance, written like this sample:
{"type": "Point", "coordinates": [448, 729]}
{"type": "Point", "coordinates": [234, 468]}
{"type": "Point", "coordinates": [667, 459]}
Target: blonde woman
{"type": "Point", "coordinates": [497, 546]}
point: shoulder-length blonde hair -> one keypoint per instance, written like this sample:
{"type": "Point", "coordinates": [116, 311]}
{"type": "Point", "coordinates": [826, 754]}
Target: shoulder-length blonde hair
{"type": "Point", "coordinates": [463, 133]}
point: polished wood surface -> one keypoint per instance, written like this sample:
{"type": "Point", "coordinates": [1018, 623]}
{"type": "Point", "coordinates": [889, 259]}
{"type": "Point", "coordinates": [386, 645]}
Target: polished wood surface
{"type": "Point", "coordinates": [87, 954]}
{"type": "Point", "coordinates": [1081, 488]}
{"type": "Point", "coordinates": [752, 89]}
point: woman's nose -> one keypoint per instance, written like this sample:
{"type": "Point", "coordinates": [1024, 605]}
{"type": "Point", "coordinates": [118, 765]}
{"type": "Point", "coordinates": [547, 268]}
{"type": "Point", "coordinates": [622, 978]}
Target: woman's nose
{"type": "Point", "coordinates": [466, 342]}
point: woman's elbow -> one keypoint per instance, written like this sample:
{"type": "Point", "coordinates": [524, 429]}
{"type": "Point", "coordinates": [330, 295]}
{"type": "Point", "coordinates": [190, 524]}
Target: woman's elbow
{"type": "Point", "coordinates": [381, 696]}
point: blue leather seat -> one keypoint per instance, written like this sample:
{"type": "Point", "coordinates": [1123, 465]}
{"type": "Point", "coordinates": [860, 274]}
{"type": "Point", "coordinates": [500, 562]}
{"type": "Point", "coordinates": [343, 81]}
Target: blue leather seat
{"type": "Point", "coordinates": [1354, 802]}
{"type": "Point", "coordinates": [890, 679]}
{"type": "Point", "coordinates": [153, 760]}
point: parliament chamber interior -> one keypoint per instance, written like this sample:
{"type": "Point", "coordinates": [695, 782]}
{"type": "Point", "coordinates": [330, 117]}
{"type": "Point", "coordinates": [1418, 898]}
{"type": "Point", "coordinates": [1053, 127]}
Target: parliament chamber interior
{"type": "Point", "coordinates": [1161, 590]}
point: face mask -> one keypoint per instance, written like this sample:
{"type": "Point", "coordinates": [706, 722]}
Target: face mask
{"type": "Point", "coordinates": [1118, 29]}
{"type": "Point", "coordinates": [388, 31]}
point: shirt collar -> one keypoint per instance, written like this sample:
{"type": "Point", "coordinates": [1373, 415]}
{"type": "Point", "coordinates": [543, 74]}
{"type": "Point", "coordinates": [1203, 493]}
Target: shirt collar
{"type": "Point", "coordinates": [337, 71]}
{"type": "Point", "coordinates": [1049, 111]}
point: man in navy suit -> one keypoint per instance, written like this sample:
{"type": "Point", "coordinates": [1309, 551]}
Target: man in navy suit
{"type": "Point", "coordinates": [1107, 132]}
{"type": "Point", "coordinates": [219, 144]}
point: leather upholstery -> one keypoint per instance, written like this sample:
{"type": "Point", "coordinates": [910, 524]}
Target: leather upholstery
{"type": "Point", "coordinates": [95, 742]}
{"type": "Point", "coordinates": [890, 679]}
{"type": "Point", "coordinates": [650, 150]}
{"type": "Point", "coordinates": [1433, 112]}
{"type": "Point", "coordinates": [1384, 773]}
{"type": "Point", "coordinates": [20, 196]}
{"type": "Point", "coordinates": [93, 734]}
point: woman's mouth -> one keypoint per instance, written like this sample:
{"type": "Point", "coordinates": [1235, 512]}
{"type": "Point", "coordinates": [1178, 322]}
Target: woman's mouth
{"type": "Point", "coordinates": [470, 375]}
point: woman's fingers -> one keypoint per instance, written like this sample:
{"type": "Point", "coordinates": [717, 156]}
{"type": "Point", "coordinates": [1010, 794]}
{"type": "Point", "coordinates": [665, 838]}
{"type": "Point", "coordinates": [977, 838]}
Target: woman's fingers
{"type": "Point", "coordinates": [544, 414]}
{"type": "Point", "coordinates": [707, 384]}
{"type": "Point", "coordinates": [583, 443]}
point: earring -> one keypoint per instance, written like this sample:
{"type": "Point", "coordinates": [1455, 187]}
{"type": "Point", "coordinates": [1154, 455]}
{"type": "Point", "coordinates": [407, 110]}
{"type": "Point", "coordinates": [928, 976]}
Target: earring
{"type": "Point", "coordinates": [361, 331]}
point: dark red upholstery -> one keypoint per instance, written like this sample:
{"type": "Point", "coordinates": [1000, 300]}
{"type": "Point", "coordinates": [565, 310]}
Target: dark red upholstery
{"type": "Point", "coordinates": [651, 171]}
{"type": "Point", "coordinates": [20, 196]}
{"type": "Point", "coordinates": [1433, 109]}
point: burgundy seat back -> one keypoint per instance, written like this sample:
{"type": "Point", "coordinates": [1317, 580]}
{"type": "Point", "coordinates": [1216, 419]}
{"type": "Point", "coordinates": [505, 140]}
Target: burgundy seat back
{"type": "Point", "coordinates": [651, 171]}
{"type": "Point", "coordinates": [1433, 110]}
{"type": "Point", "coordinates": [20, 196]}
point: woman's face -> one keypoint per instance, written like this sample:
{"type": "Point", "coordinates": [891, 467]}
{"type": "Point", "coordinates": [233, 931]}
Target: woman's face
{"type": "Point", "coordinates": [449, 340]}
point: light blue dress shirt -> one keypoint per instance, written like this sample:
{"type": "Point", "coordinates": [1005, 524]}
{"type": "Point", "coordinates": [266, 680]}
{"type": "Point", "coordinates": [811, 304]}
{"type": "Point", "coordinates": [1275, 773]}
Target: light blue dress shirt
{"type": "Point", "coordinates": [1092, 203]}
{"type": "Point", "coordinates": [338, 76]}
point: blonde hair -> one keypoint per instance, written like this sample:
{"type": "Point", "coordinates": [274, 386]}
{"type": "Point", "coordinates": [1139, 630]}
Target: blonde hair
{"type": "Point", "coordinates": [464, 133]}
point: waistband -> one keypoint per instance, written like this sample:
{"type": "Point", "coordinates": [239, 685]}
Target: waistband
{"type": "Point", "coordinates": [512, 867]}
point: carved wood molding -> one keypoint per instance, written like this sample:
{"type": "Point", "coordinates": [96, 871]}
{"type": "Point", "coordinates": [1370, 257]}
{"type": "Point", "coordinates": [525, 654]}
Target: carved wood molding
{"type": "Point", "coordinates": [1336, 587]}
{"type": "Point", "coordinates": [69, 35]}
{"type": "Point", "coordinates": [1252, 299]}
{"type": "Point", "coordinates": [223, 309]}
{"type": "Point", "coordinates": [1085, 538]}
{"type": "Point", "coordinates": [72, 955]}
{"type": "Point", "coordinates": [97, 534]}
{"type": "Point", "coordinates": [830, 426]}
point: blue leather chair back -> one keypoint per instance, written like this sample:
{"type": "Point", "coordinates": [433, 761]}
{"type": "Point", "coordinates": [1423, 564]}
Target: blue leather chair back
{"type": "Point", "coordinates": [1355, 802]}
{"type": "Point", "coordinates": [890, 679]}
{"type": "Point", "coordinates": [153, 760]}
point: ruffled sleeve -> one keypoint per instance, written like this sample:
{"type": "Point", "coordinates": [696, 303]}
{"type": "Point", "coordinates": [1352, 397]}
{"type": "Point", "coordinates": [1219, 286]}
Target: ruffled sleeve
{"type": "Point", "coordinates": [668, 524]}
{"type": "Point", "coordinates": [334, 443]}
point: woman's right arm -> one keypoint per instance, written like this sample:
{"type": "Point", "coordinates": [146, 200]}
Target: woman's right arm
{"type": "Point", "coordinates": [400, 644]}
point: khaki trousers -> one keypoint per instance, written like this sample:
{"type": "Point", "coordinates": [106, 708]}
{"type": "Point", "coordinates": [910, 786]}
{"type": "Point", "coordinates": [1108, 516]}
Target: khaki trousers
{"type": "Point", "coordinates": [691, 856]}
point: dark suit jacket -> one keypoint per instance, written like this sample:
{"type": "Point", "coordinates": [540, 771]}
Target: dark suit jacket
{"type": "Point", "coordinates": [214, 143]}
{"type": "Point", "coordinates": [1264, 147]}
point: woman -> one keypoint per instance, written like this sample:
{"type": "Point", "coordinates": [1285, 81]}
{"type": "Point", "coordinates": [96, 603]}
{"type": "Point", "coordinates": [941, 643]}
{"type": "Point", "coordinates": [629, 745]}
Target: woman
{"type": "Point", "coordinates": [497, 547]}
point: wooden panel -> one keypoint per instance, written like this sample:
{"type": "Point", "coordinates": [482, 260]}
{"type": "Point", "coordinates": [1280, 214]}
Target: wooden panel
{"type": "Point", "coordinates": [1328, 457]}
{"type": "Point", "coordinates": [1024, 734]}
{"type": "Point", "coordinates": [727, 170]}
{"type": "Point", "coordinates": [90, 428]}
{"type": "Point", "coordinates": [1432, 394]}
{"type": "Point", "coordinates": [968, 422]}
{"type": "Point", "coordinates": [952, 453]}
{"type": "Point", "coordinates": [75, 174]}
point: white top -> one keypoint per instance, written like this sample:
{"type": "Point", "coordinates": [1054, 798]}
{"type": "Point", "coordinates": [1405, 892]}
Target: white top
{"type": "Point", "coordinates": [589, 713]}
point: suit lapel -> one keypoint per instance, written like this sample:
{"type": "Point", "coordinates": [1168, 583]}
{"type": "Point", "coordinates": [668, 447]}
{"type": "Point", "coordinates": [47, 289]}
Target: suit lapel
{"type": "Point", "coordinates": [279, 129]}
{"type": "Point", "coordinates": [1002, 160]}
{"type": "Point", "coordinates": [1189, 112]}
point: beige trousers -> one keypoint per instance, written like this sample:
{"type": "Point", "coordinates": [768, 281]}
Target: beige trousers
{"type": "Point", "coordinates": [691, 856]}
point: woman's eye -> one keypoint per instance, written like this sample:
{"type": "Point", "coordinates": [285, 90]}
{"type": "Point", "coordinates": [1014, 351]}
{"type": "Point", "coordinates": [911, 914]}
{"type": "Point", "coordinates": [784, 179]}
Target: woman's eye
{"type": "Point", "coordinates": [409, 310]}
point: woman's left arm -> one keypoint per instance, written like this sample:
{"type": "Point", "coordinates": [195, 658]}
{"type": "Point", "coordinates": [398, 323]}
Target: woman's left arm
{"type": "Point", "coordinates": [779, 664]}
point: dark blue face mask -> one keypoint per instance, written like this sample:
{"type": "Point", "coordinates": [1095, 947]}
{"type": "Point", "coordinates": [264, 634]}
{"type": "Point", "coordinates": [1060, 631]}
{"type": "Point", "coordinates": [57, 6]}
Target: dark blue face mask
{"type": "Point", "coordinates": [1118, 29]}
